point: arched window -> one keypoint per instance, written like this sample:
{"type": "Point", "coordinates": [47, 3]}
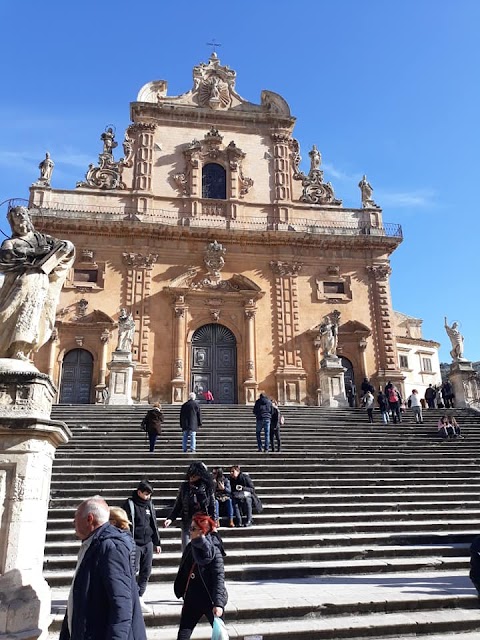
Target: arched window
{"type": "Point", "coordinates": [214, 181]}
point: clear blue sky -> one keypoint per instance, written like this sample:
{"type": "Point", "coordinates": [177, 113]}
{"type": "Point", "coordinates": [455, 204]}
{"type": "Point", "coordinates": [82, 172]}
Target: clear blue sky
{"type": "Point", "coordinates": [382, 87]}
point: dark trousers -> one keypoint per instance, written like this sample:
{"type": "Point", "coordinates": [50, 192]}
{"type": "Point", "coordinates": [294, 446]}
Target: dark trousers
{"type": "Point", "coordinates": [152, 438]}
{"type": "Point", "coordinates": [241, 506]}
{"type": "Point", "coordinates": [275, 435]}
{"type": "Point", "coordinates": [192, 611]}
{"type": "Point", "coordinates": [395, 409]}
{"type": "Point", "coordinates": [370, 414]}
{"type": "Point", "coordinates": [143, 565]}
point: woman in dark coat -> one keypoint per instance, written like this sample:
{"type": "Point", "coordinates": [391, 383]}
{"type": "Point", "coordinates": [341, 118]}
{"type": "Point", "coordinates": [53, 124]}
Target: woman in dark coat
{"type": "Point", "coordinates": [153, 424]}
{"type": "Point", "coordinates": [196, 495]}
{"type": "Point", "coordinates": [200, 579]}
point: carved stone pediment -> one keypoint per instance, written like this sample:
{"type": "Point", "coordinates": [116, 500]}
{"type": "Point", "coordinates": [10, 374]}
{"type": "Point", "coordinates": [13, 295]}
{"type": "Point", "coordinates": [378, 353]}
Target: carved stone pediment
{"type": "Point", "coordinates": [192, 281]}
{"type": "Point", "coordinates": [95, 317]}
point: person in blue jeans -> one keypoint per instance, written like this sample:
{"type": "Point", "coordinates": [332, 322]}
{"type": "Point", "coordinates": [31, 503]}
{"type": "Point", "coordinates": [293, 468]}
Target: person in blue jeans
{"type": "Point", "coordinates": [190, 421]}
{"type": "Point", "coordinates": [223, 496]}
{"type": "Point", "coordinates": [263, 410]}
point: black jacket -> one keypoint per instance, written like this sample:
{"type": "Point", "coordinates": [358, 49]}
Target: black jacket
{"type": "Point", "coordinates": [143, 517]}
{"type": "Point", "coordinates": [192, 499]}
{"type": "Point", "coordinates": [202, 560]}
{"type": "Point", "coordinates": [190, 416]}
{"type": "Point", "coordinates": [153, 421]}
{"type": "Point", "coordinates": [105, 592]}
{"type": "Point", "coordinates": [246, 484]}
{"type": "Point", "coordinates": [263, 407]}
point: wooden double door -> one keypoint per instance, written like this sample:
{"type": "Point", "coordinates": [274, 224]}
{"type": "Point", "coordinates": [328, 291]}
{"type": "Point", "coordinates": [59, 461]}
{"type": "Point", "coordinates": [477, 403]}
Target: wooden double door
{"type": "Point", "coordinates": [77, 371]}
{"type": "Point", "coordinates": [214, 363]}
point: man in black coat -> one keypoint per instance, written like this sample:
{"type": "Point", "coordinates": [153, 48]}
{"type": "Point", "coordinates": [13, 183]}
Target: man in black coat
{"type": "Point", "coordinates": [103, 600]}
{"type": "Point", "coordinates": [243, 495]}
{"type": "Point", "coordinates": [263, 410]}
{"type": "Point", "coordinates": [190, 420]}
{"type": "Point", "coordinates": [143, 517]}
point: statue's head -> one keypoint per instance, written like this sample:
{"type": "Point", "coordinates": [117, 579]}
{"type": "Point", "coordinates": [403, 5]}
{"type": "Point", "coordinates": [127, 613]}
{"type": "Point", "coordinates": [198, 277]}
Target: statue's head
{"type": "Point", "coordinates": [454, 325]}
{"type": "Point", "coordinates": [19, 219]}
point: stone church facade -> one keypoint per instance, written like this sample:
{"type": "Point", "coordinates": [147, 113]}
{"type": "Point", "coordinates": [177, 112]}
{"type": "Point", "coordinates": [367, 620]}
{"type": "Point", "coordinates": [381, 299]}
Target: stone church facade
{"type": "Point", "coordinates": [226, 253]}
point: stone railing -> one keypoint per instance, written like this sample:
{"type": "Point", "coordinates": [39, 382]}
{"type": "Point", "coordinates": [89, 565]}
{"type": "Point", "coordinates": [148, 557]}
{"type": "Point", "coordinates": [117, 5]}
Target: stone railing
{"type": "Point", "coordinates": [345, 222]}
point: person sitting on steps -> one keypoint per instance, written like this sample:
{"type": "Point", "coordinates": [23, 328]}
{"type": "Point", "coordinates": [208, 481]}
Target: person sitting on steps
{"type": "Point", "coordinates": [243, 493]}
{"type": "Point", "coordinates": [223, 496]}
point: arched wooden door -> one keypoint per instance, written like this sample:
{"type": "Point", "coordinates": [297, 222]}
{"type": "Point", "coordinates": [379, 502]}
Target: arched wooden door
{"type": "Point", "coordinates": [77, 370]}
{"type": "Point", "coordinates": [349, 378]}
{"type": "Point", "coordinates": [214, 363]}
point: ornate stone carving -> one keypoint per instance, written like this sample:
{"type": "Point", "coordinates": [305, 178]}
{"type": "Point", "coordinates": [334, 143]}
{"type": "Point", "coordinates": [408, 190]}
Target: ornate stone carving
{"type": "Point", "coordinates": [199, 152]}
{"type": "Point", "coordinates": [79, 340]}
{"type": "Point", "coordinates": [333, 270]}
{"type": "Point", "coordinates": [105, 336]}
{"type": "Point", "coordinates": [54, 336]}
{"type": "Point", "coordinates": [215, 313]}
{"type": "Point", "coordinates": [285, 268]}
{"type": "Point", "coordinates": [213, 84]}
{"type": "Point", "coordinates": [139, 260]}
{"type": "Point", "coordinates": [250, 313]}
{"type": "Point", "coordinates": [178, 368]}
{"type": "Point", "coordinates": [82, 308]}
{"type": "Point", "coordinates": [328, 334]}
{"type": "Point", "coordinates": [46, 167]}
{"type": "Point", "coordinates": [179, 312]}
{"type": "Point", "coordinates": [214, 260]}
{"type": "Point", "coordinates": [108, 173]}
{"type": "Point", "coordinates": [315, 190]}
{"type": "Point", "coordinates": [379, 271]}
{"type": "Point", "coordinates": [87, 255]}
{"type": "Point", "coordinates": [366, 191]}
{"type": "Point", "coordinates": [35, 267]}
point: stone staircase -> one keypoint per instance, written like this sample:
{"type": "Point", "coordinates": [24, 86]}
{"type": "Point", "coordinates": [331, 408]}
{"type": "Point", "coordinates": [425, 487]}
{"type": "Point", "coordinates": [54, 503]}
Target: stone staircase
{"type": "Point", "coordinates": [365, 529]}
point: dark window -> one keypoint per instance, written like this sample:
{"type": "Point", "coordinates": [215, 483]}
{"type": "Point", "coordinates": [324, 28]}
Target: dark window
{"type": "Point", "coordinates": [333, 287]}
{"type": "Point", "coordinates": [403, 362]}
{"type": "Point", "coordinates": [85, 275]}
{"type": "Point", "coordinates": [214, 182]}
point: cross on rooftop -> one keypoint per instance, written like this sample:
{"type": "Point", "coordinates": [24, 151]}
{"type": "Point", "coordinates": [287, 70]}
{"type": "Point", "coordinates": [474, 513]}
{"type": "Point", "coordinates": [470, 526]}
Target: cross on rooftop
{"type": "Point", "coordinates": [214, 44]}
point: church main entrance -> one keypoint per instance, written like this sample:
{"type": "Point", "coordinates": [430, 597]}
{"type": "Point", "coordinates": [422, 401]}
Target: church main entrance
{"type": "Point", "coordinates": [76, 377]}
{"type": "Point", "coordinates": [214, 363]}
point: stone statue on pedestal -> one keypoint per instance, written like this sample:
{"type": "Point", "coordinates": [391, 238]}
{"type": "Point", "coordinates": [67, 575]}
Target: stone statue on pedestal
{"type": "Point", "coordinates": [46, 169]}
{"type": "Point", "coordinates": [35, 266]}
{"type": "Point", "coordinates": [456, 339]}
{"type": "Point", "coordinates": [126, 331]}
{"type": "Point", "coordinates": [329, 334]}
{"type": "Point", "coordinates": [367, 191]}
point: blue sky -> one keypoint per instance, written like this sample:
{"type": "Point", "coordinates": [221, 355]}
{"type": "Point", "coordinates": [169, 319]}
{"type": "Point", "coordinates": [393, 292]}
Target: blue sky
{"type": "Point", "coordinates": [382, 87]}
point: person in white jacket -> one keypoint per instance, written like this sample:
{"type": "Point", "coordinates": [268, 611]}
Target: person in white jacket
{"type": "Point", "coordinates": [415, 405]}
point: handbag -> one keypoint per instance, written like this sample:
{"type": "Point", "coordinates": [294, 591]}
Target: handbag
{"type": "Point", "coordinates": [219, 630]}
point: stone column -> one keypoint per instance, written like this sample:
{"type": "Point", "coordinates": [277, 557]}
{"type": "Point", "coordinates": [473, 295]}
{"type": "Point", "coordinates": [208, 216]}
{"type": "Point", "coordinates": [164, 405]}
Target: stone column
{"type": "Point", "coordinates": [178, 382]}
{"type": "Point", "coordinates": [144, 140]}
{"type": "Point", "coordinates": [101, 386]}
{"type": "Point", "coordinates": [28, 439]}
{"type": "Point", "coordinates": [381, 311]}
{"type": "Point", "coordinates": [330, 379]}
{"type": "Point", "coordinates": [52, 352]}
{"type": "Point", "coordinates": [250, 385]}
{"type": "Point", "coordinates": [282, 176]}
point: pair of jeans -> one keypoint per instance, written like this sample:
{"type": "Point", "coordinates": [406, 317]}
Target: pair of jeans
{"type": "Point", "coordinates": [263, 424]}
{"type": "Point", "coordinates": [370, 414]}
{"type": "Point", "coordinates": [417, 413]}
{"type": "Point", "coordinates": [395, 408]}
{"type": "Point", "coordinates": [224, 506]}
{"type": "Point", "coordinates": [275, 435]}
{"type": "Point", "coordinates": [193, 440]}
{"type": "Point", "coordinates": [385, 417]}
{"type": "Point", "coordinates": [241, 505]}
{"type": "Point", "coordinates": [152, 438]}
{"type": "Point", "coordinates": [143, 565]}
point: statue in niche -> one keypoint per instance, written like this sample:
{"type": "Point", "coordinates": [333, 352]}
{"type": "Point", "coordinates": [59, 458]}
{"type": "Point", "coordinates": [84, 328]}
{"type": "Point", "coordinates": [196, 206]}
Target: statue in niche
{"type": "Point", "coordinates": [126, 331]}
{"type": "Point", "coordinates": [329, 334]}
{"type": "Point", "coordinates": [456, 339]}
{"type": "Point", "coordinates": [46, 169]}
{"type": "Point", "coordinates": [366, 191]}
{"type": "Point", "coordinates": [35, 266]}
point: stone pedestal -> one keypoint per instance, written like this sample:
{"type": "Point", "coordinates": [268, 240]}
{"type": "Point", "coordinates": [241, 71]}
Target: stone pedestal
{"type": "Point", "coordinates": [28, 439]}
{"type": "Point", "coordinates": [461, 373]}
{"type": "Point", "coordinates": [331, 383]}
{"type": "Point", "coordinates": [121, 375]}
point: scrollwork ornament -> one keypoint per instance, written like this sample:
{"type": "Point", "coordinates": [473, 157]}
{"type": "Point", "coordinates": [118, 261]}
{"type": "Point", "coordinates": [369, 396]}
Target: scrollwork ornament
{"type": "Point", "coordinates": [139, 260]}
{"type": "Point", "coordinates": [379, 271]}
{"type": "Point", "coordinates": [285, 268]}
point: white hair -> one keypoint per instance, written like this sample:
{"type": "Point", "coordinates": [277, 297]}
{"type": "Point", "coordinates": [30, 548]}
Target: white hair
{"type": "Point", "coordinates": [97, 506]}
{"type": "Point", "coordinates": [192, 396]}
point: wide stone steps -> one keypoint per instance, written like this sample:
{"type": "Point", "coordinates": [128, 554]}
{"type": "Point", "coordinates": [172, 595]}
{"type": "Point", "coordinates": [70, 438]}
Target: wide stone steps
{"type": "Point", "coordinates": [343, 501]}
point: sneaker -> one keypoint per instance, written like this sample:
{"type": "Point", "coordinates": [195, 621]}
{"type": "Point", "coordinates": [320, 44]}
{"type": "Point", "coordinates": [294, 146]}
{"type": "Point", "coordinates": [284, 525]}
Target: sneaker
{"type": "Point", "coordinates": [248, 523]}
{"type": "Point", "coordinates": [144, 607]}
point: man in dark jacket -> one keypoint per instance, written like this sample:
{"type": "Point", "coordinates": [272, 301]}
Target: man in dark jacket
{"type": "Point", "coordinates": [142, 515]}
{"type": "Point", "coordinates": [190, 420]}
{"type": "Point", "coordinates": [243, 494]}
{"type": "Point", "coordinates": [263, 410]}
{"type": "Point", "coordinates": [152, 423]}
{"type": "Point", "coordinates": [103, 600]}
{"type": "Point", "coordinates": [430, 394]}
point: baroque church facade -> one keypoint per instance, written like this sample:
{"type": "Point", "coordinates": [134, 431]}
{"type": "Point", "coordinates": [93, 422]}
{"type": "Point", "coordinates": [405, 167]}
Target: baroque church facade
{"type": "Point", "coordinates": [227, 255]}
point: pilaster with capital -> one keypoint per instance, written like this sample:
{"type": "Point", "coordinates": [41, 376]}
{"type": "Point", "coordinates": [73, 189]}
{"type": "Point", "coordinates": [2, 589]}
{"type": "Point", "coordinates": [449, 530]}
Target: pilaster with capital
{"type": "Point", "coordinates": [281, 166]}
{"type": "Point", "coordinates": [143, 134]}
{"type": "Point", "coordinates": [179, 384]}
{"type": "Point", "coordinates": [250, 384]}
{"type": "Point", "coordinates": [382, 317]}
{"type": "Point", "coordinates": [52, 353]}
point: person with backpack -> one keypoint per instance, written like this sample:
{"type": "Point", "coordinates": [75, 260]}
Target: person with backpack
{"type": "Point", "coordinates": [152, 424]}
{"type": "Point", "coordinates": [383, 406]}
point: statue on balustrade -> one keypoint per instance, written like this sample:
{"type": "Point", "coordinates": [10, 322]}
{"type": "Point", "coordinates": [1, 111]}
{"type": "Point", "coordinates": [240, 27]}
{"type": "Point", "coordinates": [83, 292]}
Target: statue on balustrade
{"type": "Point", "coordinates": [329, 334]}
{"type": "Point", "coordinates": [35, 266]}
{"type": "Point", "coordinates": [456, 339]}
{"type": "Point", "coordinates": [126, 331]}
